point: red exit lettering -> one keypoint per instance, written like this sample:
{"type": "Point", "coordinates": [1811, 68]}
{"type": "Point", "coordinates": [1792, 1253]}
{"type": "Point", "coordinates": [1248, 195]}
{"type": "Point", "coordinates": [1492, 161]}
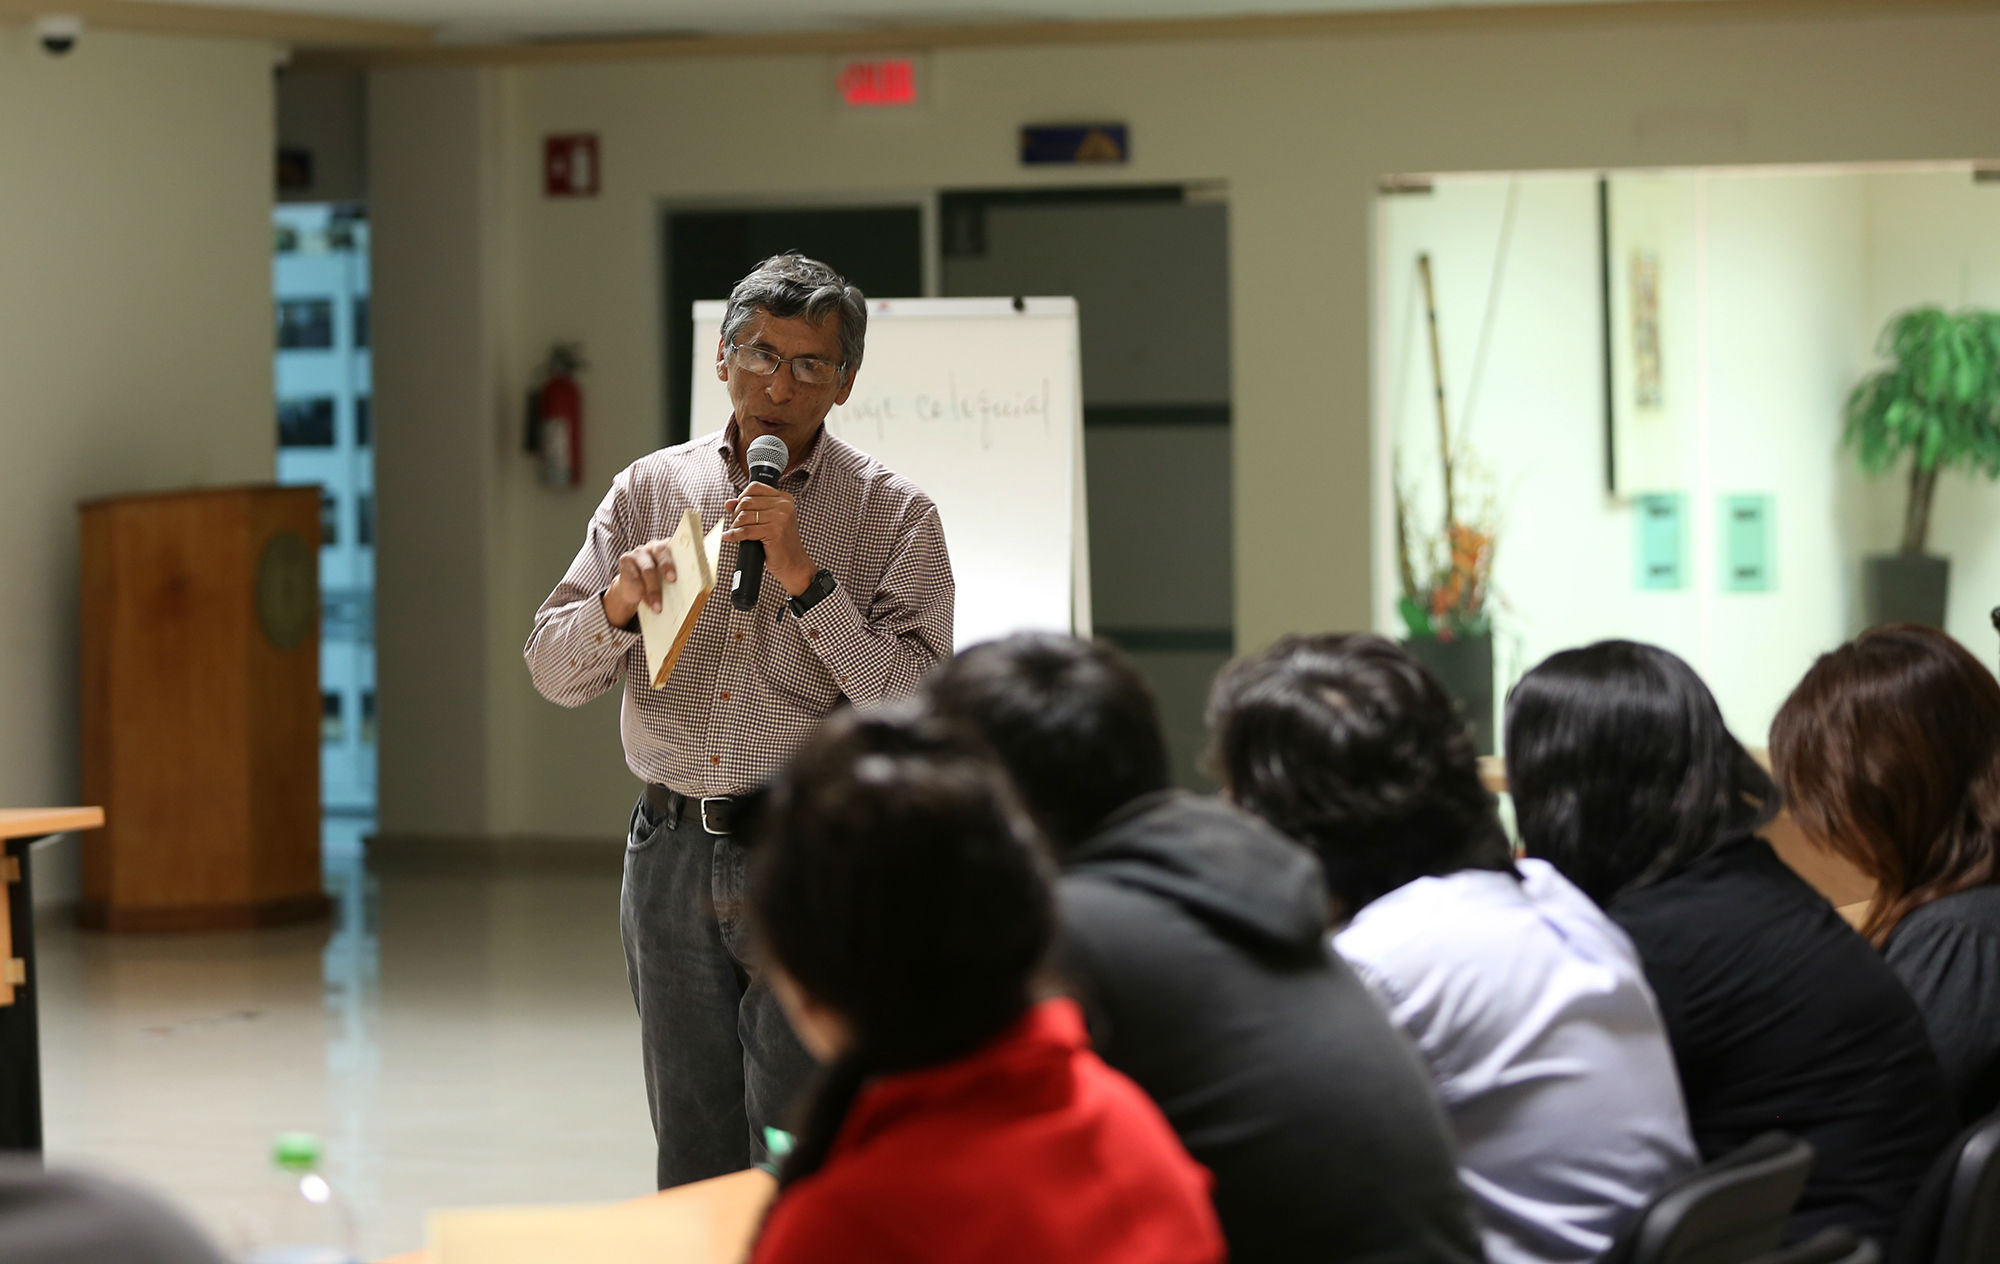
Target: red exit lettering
{"type": "Point", "coordinates": [876, 83]}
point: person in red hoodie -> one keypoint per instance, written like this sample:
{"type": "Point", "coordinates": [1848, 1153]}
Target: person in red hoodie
{"type": "Point", "coordinates": [903, 902]}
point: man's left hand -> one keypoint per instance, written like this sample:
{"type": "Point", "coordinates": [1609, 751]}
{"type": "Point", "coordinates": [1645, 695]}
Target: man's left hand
{"type": "Point", "coordinates": [767, 514]}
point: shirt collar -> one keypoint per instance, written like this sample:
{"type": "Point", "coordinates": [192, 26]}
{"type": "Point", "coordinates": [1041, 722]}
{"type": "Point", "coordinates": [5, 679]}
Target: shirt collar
{"type": "Point", "coordinates": [732, 454]}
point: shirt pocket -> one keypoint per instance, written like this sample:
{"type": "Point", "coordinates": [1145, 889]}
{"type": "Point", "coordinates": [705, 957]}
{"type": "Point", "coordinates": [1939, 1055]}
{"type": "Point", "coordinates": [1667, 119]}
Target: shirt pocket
{"type": "Point", "coordinates": [794, 674]}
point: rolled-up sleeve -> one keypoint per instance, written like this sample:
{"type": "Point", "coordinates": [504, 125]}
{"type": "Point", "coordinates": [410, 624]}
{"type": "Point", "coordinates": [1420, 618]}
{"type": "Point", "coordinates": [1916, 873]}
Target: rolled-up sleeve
{"type": "Point", "coordinates": [879, 645]}
{"type": "Point", "coordinates": [574, 652]}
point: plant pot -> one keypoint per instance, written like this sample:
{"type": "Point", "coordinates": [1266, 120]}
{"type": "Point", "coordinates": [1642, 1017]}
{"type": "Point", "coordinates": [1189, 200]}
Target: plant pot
{"type": "Point", "coordinates": [1464, 666]}
{"type": "Point", "coordinates": [1905, 588]}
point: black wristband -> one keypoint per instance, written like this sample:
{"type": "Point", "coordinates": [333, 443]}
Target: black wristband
{"type": "Point", "coordinates": [823, 583]}
{"type": "Point", "coordinates": [630, 625]}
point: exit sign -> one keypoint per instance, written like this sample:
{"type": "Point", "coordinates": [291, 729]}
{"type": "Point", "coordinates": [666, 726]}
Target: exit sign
{"type": "Point", "coordinates": [887, 81]}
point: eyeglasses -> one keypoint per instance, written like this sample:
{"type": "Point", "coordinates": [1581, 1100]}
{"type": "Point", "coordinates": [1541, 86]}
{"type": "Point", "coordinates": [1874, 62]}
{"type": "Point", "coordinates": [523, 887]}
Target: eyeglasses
{"type": "Point", "coordinates": [806, 370]}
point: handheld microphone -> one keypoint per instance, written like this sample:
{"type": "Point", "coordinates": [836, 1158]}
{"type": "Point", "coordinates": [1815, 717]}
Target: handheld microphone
{"type": "Point", "coordinates": [767, 458]}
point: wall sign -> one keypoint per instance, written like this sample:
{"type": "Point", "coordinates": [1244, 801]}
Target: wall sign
{"type": "Point", "coordinates": [1662, 542]}
{"type": "Point", "coordinates": [1746, 544]}
{"type": "Point", "coordinates": [569, 165]}
{"type": "Point", "coordinates": [883, 82]}
{"type": "Point", "coordinates": [1076, 143]}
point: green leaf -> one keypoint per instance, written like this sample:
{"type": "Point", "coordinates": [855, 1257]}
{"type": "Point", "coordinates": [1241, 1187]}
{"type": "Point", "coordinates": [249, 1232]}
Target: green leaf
{"type": "Point", "coordinates": [1896, 415]}
{"type": "Point", "coordinates": [1937, 369]}
{"type": "Point", "coordinates": [1966, 373]}
{"type": "Point", "coordinates": [1415, 619]}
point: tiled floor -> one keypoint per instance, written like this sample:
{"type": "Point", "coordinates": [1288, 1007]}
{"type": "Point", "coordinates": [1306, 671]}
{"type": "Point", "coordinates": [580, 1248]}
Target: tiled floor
{"type": "Point", "coordinates": [457, 1038]}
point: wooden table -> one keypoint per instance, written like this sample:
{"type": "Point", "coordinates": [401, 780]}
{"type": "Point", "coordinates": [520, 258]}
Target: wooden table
{"type": "Point", "coordinates": [20, 1035]}
{"type": "Point", "coordinates": [708, 1222]}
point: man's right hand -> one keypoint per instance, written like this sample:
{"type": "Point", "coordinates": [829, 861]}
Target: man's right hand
{"type": "Point", "coordinates": [641, 574]}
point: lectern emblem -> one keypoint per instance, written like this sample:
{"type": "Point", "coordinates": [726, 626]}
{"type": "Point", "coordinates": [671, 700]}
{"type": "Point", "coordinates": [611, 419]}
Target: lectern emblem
{"type": "Point", "coordinates": [287, 590]}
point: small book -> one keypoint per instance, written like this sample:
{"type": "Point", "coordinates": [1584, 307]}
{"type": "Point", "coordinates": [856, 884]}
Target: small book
{"type": "Point", "coordinates": [666, 632]}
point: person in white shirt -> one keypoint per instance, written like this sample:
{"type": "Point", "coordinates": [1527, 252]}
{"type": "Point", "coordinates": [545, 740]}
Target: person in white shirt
{"type": "Point", "coordinates": [1526, 1002]}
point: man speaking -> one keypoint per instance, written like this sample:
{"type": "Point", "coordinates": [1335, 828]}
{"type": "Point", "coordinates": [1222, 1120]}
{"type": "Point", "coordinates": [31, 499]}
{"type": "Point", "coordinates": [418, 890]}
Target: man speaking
{"type": "Point", "coordinates": [854, 603]}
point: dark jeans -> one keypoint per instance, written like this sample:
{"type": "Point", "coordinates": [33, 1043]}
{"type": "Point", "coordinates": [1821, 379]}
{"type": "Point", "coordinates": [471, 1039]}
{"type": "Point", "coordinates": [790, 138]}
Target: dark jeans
{"type": "Point", "coordinates": [721, 1061]}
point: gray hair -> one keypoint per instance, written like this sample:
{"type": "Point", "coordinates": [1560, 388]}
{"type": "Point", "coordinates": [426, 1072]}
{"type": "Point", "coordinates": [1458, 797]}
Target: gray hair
{"type": "Point", "coordinates": [789, 286]}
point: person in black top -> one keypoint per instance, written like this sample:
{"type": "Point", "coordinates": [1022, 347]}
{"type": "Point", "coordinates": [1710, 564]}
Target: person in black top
{"type": "Point", "coordinates": [1625, 777]}
{"type": "Point", "coordinates": [1889, 755]}
{"type": "Point", "coordinates": [1195, 937]}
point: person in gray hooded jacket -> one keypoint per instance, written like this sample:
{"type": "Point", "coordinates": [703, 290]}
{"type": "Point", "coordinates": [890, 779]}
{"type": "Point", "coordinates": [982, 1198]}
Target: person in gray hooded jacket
{"type": "Point", "coordinates": [1195, 937]}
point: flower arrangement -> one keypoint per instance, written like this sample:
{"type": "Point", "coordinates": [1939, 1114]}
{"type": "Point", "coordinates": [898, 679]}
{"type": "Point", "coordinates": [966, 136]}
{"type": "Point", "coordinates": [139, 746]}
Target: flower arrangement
{"type": "Point", "coordinates": [1446, 575]}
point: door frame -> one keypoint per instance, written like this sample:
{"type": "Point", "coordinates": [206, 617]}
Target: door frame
{"type": "Point", "coordinates": [930, 263]}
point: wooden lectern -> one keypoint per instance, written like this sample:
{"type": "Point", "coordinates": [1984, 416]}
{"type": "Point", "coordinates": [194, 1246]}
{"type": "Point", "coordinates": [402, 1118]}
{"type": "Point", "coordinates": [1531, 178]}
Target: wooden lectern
{"type": "Point", "coordinates": [201, 709]}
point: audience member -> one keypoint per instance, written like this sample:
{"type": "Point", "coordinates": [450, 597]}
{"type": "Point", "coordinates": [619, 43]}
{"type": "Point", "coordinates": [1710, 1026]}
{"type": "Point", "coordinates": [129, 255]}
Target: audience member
{"type": "Point", "coordinates": [1528, 1004]}
{"type": "Point", "coordinates": [901, 894]}
{"type": "Point", "coordinates": [1626, 778]}
{"type": "Point", "coordinates": [1196, 936]}
{"type": "Point", "coordinates": [1888, 753]}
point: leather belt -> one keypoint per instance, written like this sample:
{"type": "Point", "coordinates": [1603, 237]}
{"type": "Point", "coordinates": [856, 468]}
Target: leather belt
{"type": "Point", "coordinates": [717, 813]}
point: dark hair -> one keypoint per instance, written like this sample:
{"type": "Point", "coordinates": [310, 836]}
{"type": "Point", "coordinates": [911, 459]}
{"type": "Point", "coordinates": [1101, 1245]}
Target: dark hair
{"type": "Point", "coordinates": [900, 883]}
{"type": "Point", "coordinates": [1889, 755]}
{"type": "Point", "coordinates": [1622, 770]}
{"type": "Point", "coordinates": [790, 286]}
{"type": "Point", "coordinates": [1072, 720]}
{"type": "Point", "coordinates": [1347, 744]}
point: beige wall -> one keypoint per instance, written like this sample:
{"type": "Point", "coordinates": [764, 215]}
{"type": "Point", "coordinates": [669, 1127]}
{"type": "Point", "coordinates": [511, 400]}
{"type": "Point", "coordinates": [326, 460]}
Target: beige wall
{"type": "Point", "coordinates": [135, 332]}
{"type": "Point", "coordinates": [1298, 130]}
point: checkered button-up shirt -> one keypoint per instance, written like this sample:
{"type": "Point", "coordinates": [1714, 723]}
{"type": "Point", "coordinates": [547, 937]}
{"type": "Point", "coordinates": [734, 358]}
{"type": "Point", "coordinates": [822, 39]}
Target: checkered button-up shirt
{"type": "Point", "coordinates": [751, 685]}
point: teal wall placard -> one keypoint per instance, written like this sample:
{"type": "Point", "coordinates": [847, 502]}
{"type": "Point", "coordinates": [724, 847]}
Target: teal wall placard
{"type": "Point", "coordinates": [1747, 554]}
{"type": "Point", "coordinates": [1662, 541]}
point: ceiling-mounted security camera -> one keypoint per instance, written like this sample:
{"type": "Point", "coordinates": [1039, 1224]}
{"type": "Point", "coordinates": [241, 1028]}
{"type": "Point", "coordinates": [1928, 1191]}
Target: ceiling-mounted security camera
{"type": "Point", "coordinates": [58, 33]}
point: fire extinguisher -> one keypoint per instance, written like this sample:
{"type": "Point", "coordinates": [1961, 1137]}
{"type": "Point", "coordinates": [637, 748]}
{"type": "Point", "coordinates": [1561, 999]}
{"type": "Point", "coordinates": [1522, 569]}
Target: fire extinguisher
{"type": "Point", "coordinates": [555, 417]}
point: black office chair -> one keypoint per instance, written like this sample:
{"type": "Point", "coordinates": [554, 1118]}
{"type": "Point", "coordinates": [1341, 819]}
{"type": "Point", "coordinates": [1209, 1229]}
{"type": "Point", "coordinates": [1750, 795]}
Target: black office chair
{"type": "Point", "coordinates": [1730, 1211]}
{"type": "Point", "coordinates": [1829, 1246]}
{"type": "Point", "coordinates": [1955, 1217]}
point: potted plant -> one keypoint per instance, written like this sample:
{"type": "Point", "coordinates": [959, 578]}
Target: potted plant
{"type": "Point", "coordinates": [1446, 575]}
{"type": "Point", "coordinates": [1937, 403]}
{"type": "Point", "coordinates": [1446, 605]}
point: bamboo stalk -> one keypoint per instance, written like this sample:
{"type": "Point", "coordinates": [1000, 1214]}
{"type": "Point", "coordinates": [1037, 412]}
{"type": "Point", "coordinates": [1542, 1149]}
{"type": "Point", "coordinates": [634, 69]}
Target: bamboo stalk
{"type": "Point", "coordinates": [1437, 375]}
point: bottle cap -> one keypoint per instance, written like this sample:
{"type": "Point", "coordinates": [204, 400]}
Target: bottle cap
{"type": "Point", "coordinates": [296, 1151]}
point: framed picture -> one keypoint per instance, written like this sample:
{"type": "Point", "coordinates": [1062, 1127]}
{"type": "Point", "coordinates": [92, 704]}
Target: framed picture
{"type": "Point", "coordinates": [1647, 243]}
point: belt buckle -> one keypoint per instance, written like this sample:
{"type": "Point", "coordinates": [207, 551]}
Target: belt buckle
{"type": "Point", "coordinates": [720, 798]}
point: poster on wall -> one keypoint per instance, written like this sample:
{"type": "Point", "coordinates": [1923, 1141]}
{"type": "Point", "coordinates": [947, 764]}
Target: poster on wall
{"type": "Point", "coordinates": [1647, 236]}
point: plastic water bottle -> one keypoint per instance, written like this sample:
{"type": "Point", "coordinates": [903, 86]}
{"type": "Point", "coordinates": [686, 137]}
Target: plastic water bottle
{"type": "Point", "coordinates": [303, 1221]}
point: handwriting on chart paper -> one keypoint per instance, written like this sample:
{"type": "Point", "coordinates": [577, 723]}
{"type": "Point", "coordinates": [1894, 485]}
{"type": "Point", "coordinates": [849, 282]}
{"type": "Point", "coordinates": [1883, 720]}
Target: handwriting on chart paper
{"type": "Point", "coordinates": [985, 407]}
